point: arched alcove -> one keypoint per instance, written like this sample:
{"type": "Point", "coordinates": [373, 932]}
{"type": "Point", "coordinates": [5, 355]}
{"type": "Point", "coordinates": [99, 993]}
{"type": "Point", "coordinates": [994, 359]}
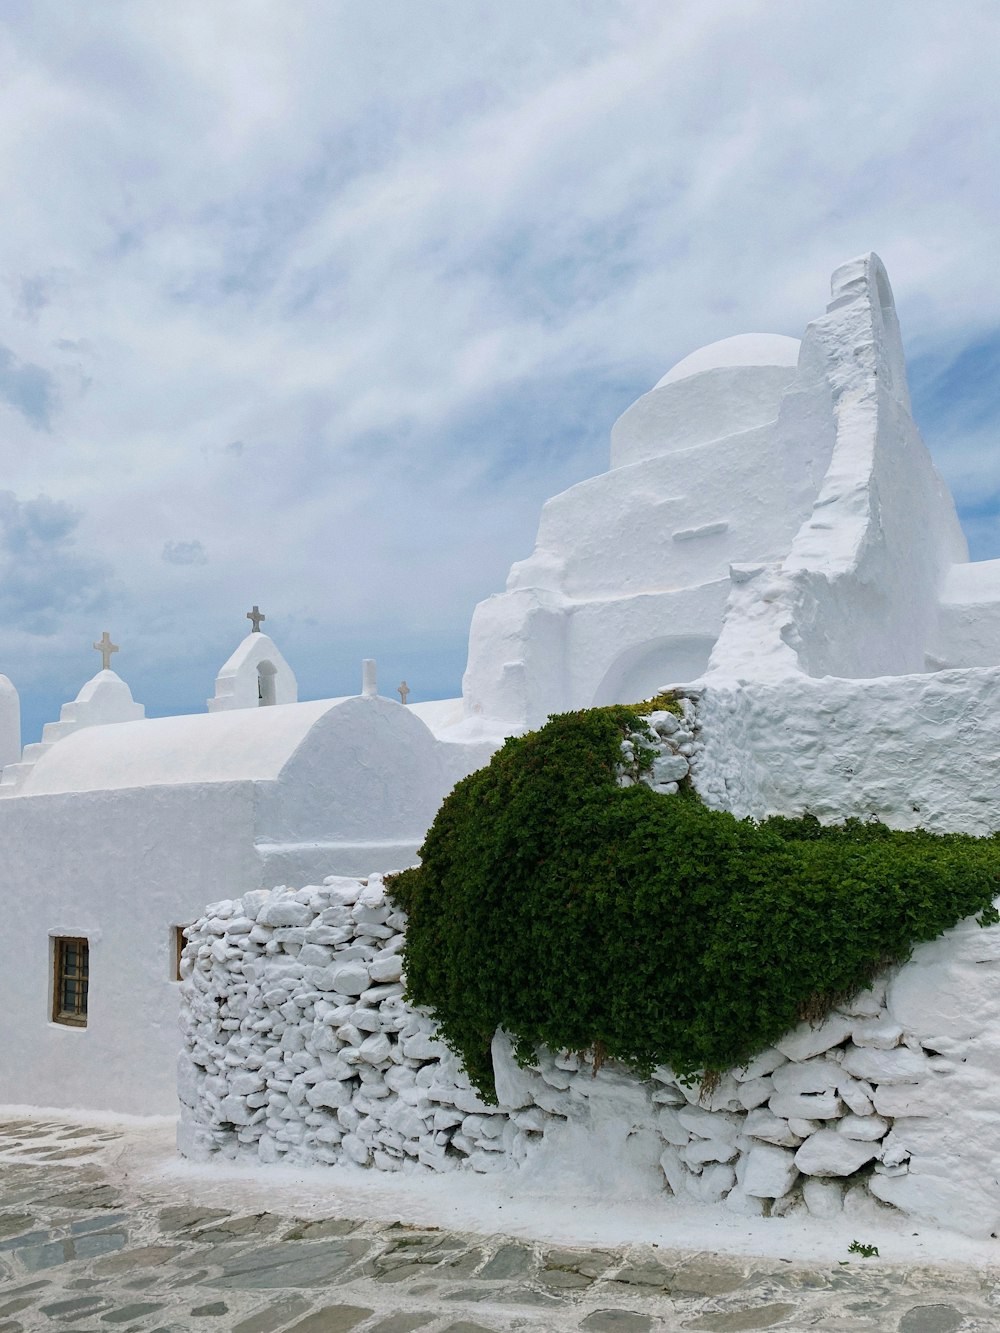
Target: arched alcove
{"type": "Point", "coordinates": [266, 693]}
{"type": "Point", "coordinates": [641, 671]}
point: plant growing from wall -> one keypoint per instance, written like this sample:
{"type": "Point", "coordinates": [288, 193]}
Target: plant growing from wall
{"type": "Point", "coordinates": [577, 914]}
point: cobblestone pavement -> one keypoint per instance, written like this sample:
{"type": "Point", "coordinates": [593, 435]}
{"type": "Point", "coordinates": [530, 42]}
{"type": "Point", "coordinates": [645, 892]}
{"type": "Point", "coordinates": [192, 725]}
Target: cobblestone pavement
{"type": "Point", "coordinates": [82, 1250]}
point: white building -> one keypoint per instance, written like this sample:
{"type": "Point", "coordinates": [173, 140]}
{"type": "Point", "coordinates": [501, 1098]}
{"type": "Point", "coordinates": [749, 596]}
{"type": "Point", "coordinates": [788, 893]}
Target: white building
{"type": "Point", "coordinates": [118, 829]}
{"type": "Point", "coordinates": [771, 528]}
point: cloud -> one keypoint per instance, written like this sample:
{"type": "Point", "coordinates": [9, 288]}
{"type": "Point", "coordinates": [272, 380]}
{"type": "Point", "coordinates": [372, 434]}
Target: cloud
{"type": "Point", "coordinates": [43, 578]}
{"type": "Point", "coordinates": [184, 553]}
{"type": "Point", "coordinates": [412, 295]}
{"type": "Point", "coordinates": [34, 294]}
{"type": "Point", "coordinates": [28, 388]}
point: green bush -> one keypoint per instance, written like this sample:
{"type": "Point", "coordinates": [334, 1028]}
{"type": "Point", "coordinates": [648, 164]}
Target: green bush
{"type": "Point", "coordinates": [578, 914]}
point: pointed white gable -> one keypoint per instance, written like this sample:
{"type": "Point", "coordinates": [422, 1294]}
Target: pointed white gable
{"type": "Point", "coordinates": [104, 699]}
{"type": "Point", "coordinates": [255, 675]}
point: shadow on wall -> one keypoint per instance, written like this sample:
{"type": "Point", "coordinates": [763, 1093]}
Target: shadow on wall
{"type": "Point", "coordinates": [266, 691]}
{"type": "Point", "coordinates": [642, 671]}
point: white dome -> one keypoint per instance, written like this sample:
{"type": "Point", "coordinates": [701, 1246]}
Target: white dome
{"type": "Point", "coordinates": [745, 349]}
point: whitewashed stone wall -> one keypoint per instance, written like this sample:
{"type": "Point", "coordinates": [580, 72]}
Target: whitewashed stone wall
{"type": "Point", "coordinates": [919, 751]}
{"type": "Point", "coordinates": [299, 1047]}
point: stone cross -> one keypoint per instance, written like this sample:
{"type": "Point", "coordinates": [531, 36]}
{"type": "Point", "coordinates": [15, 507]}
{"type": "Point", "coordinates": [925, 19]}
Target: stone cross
{"type": "Point", "coordinates": [403, 690]}
{"type": "Point", "coordinates": [256, 615]}
{"type": "Point", "coordinates": [105, 647]}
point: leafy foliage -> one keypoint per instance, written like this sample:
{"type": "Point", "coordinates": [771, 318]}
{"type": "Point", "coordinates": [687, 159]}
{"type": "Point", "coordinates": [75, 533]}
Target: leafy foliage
{"type": "Point", "coordinates": [578, 914]}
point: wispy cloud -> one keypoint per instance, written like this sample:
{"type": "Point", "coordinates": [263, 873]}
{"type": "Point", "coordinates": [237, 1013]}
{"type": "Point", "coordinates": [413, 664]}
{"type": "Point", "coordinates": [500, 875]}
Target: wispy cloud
{"type": "Point", "coordinates": [43, 577]}
{"type": "Point", "coordinates": [26, 387]}
{"type": "Point", "coordinates": [184, 553]}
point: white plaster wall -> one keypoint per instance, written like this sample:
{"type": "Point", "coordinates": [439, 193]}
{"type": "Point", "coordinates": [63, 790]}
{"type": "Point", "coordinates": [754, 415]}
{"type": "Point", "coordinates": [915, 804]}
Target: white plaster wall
{"type": "Point", "coordinates": [120, 869]}
{"type": "Point", "coordinates": [915, 751]}
{"type": "Point", "coordinates": [10, 723]}
{"type": "Point", "coordinates": [550, 654]}
{"type": "Point", "coordinates": [645, 527]}
{"type": "Point", "coordinates": [360, 790]}
{"type": "Point", "coordinates": [121, 832]}
{"type": "Point", "coordinates": [968, 626]}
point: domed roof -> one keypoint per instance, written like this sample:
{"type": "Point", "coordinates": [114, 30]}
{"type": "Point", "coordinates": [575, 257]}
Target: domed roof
{"type": "Point", "coordinates": [745, 349]}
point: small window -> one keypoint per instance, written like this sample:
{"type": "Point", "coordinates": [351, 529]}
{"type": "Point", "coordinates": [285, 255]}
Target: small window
{"type": "Point", "coordinates": [176, 952]}
{"type": "Point", "coordinates": [71, 975]}
{"type": "Point", "coordinates": [266, 691]}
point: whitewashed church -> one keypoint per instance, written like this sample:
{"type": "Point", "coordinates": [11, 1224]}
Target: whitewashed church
{"type": "Point", "coordinates": [771, 532]}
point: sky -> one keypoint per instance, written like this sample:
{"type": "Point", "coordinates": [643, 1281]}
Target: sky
{"type": "Point", "coordinates": [313, 304]}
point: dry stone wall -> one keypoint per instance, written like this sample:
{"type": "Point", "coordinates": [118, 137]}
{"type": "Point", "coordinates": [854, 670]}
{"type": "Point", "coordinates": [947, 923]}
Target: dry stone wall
{"type": "Point", "coordinates": [299, 1047]}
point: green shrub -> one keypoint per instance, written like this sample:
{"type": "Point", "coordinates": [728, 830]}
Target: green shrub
{"type": "Point", "coordinates": [578, 914]}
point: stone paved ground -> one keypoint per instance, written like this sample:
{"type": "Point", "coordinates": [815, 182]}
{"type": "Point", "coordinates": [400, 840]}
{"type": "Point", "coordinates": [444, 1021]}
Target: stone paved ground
{"type": "Point", "coordinates": [84, 1251]}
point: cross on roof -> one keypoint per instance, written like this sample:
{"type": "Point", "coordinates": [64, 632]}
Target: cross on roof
{"type": "Point", "coordinates": [403, 690]}
{"type": "Point", "coordinates": [105, 647]}
{"type": "Point", "coordinates": [256, 615]}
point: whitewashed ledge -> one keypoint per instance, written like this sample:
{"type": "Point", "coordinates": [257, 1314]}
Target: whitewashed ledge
{"type": "Point", "coordinates": [299, 1048]}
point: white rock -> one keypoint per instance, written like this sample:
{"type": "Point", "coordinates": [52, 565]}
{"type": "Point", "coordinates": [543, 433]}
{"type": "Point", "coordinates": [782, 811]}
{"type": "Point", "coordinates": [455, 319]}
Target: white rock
{"type": "Point", "coordinates": [811, 1076]}
{"type": "Point", "coordinates": [900, 1065]}
{"type": "Point", "coordinates": [743, 1204]}
{"type": "Point", "coordinates": [894, 1151]}
{"type": "Point", "coordinates": [343, 889]}
{"type": "Point", "coordinates": [532, 1121]}
{"type": "Point", "coordinates": [251, 903]}
{"type": "Point", "coordinates": [721, 1125]}
{"type": "Point", "coordinates": [806, 1106]}
{"type": "Point", "coordinates": [669, 1124]}
{"type": "Point", "coordinates": [355, 1149]}
{"type": "Point", "coordinates": [765, 1063]}
{"type": "Point", "coordinates": [315, 955]}
{"type": "Point", "coordinates": [366, 1020]}
{"type": "Point", "coordinates": [423, 1047]}
{"type": "Point", "coordinates": [386, 969]}
{"type": "Point", "coordinates": [674, 1170]}
{"type": "Point", "coordinates": [805, 1041]}
{"type": "Point", "coordinates": [823, 1198]}
{"type": "Point", "coordinates": [755, 1091]}
{"type": "Point", "coordinates": [827, 1153]}
{"type": "Point", "coordinates": [768, 1171]}
{"type": "Point", "coordinates": [700, 1151]}
{"type": "Point", "coordinates": [398, 1077]}
{"type": "Point", "coordinates": [331, 1092]}
{"type": "Point", "coordinates": [235, 1110]}
{"type": "Point", "coordinates": [405, 1120]}
{"type": "Point", "coordinates": [670, 768]}
{"type": "Point", "coordinates": [284, 912]}
{"type": "Point", "coordinates": [715, 1182]}
{"type": "Point", "coordinates": [880, 1033]}
{"type": "Point", "coordinates": [669, 1096]}
{"type": "Point", "coordinates": [857, 1095]}
{"type": "Point", "coordinates": [350, 978]}
{"type": "Point", "coordinates": [372, 895]}
{"type": "Point", "coordinates": [375, 1050]}
{"type": "Point", "coordinates": [865, 1127]}
{"type": "Point", "coordinates": [761, 1124]}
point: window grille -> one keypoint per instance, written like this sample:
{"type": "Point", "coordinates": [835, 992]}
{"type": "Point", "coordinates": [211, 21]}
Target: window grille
{"type": "Point", "coordinates": [71, 978]}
